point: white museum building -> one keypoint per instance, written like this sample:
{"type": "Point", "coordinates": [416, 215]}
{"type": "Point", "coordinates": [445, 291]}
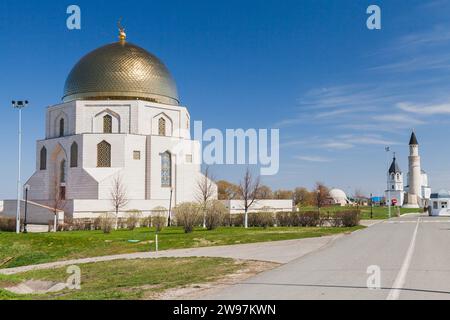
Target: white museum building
{"type": "Point", "coordinates": [120, 119]}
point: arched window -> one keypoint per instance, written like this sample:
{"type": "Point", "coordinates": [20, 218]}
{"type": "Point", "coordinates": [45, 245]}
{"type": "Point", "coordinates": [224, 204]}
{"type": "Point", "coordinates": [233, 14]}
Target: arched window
{"type": "Point", "coordinates": [61, 127]}
{"type": "Point", "coordinates": [162, 126]}
{"type": "Point", "coordinates": [74, 155]}
{"type": "Point", "coordinates": [107, 124]}
{"type": "Point", "coordinates": [166, 169]}
{"type": "Point", "coordinates": [103, 155]}
{"type": "Point", "coordinates": [43, 159]}
{"type": "Point", "coordinates": [62, 172]}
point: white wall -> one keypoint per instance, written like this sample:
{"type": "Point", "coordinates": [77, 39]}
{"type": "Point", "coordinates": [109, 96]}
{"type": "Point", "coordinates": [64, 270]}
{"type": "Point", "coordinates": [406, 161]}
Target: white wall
{"type": "Point", "coordinates": [237, 206]}
{"type": "Point", "coordinates": [36, 213]}
{"type": "Point", "coordinates": [135, 128]}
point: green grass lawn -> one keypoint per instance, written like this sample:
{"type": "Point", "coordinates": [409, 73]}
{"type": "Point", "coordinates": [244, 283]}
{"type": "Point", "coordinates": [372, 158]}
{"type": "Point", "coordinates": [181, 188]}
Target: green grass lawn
{"type": "Point", "coordinates": [130, 279]}
{"type": "Point", "coordinates": [26, 249]}
{"type": "Point", "coordinates": [378, 212]}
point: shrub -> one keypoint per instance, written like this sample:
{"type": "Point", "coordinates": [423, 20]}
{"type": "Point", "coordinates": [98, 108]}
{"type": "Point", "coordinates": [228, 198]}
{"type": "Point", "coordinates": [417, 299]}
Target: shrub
{"type": "Point", "coordinates": [105, 222]}
{"type": "Point", "coordinates": [81, 224]}
{"type": "Point", "coordinates": [349, 218]}
{"type": "Point", "coordinates": [159, 222]}
{"type": "Point", "coordinates": [283, 219]}
{"type": "Point", "coordinates": [215, 215]}
{"type": "Point", "coordinates": [133, 218]}
{"type": "Point", "coordinates": [237, 220]}
{"type": "Point", "coordinates": [188, 215]}
{"type": "Point", "coordinates": [97, 223]}
{"type": "Point", "coordinates": [261, 219]}
{"type": "Point", "coordinates": [146, 222]}
{"type": "Point", "coordinates": [309, 219]}
{"type": "Point", "coordinates": [7, 224]}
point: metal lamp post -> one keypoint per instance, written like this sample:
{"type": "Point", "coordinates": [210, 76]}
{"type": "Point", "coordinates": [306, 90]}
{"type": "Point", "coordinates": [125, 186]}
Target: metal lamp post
{"type": "Point", "coordinates": [19, 105]}
{"type": "Point", "coordinates": [371, 206]}
{"type": "Point", "coordinates": [388, 149]}
{"type": "Point", "coordinates": [27, 188]}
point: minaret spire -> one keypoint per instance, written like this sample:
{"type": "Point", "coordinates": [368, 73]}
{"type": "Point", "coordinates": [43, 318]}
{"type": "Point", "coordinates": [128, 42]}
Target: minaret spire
{"type": "Point", "coordinates": [413, 140]}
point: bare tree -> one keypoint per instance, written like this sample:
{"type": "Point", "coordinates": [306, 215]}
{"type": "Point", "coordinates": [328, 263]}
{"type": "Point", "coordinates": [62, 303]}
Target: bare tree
{"type": "Point", "coordinates": [265, 192]}
{"type": "Point", "coordinates": [118, 197]}
{"type": "Point", "coordinates": [303, 197]}
{"type": "Point", "coordinates": [322, 195]}
{"type": "Point", "coordinates": [58, 201]}
{"type": "Point", "coordinates": [359, 196]}
{"type": "Point", "coordinates": [205, 191]}
{"type": "Point", "coordinates": [227, 190]}
{"type": "Point", "coordinates": [248, 191]}
{"type": "Point", "coordinates": [283, 194]}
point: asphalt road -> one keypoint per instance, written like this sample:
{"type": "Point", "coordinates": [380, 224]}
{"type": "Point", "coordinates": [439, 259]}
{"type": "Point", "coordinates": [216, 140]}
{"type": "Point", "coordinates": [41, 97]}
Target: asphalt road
{"type": "Point", "coordinates": [412, 253]}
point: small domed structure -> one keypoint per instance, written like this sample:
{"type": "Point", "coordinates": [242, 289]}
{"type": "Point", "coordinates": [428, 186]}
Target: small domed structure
{"type": "Point", "coordinates": [121, 71]}
{"type": "Point", "coordinates": [339, 197]}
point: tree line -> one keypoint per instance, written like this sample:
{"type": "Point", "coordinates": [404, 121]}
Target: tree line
{"type": "Point", "coordinates": [301, 196]}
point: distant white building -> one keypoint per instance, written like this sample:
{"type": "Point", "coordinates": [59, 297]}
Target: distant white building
{"type": "Point", "coordinates": [395, 193]}
{"type": "Point", "coordinates": [417, 192]}
{"type": "Point", "coordinates": [338, 197]}
{"type": "Point", "coordinates": [439, 203]}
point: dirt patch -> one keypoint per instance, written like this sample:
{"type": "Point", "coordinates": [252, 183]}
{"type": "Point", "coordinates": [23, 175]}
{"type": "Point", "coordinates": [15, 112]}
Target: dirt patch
{"type": "Point", "coordinates": [203, 290]}
{"type": "Point", "coordinates": [36, 287]}
{"type": "Point", "coordinates": [201, 242]}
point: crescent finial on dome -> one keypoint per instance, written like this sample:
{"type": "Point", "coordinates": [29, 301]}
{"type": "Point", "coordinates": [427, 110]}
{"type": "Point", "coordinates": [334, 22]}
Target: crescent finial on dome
{"type": "Point", "coordinates": [122, 34]}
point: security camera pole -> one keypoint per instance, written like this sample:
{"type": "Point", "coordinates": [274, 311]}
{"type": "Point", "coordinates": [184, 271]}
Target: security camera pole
{"type": "Point", "coordinates": [19, 105]}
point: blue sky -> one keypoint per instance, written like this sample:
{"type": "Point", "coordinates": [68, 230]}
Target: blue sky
{"type": "Point", "coordinates": [338, 92]}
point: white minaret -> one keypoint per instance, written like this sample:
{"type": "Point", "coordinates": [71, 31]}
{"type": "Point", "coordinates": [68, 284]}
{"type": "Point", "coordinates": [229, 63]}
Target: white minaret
{"type": "Point", "coordinates": [414, 175]}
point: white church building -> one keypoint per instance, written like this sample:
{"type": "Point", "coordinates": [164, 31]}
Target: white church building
{"type": "Point", "coordinates": [120, 118]}
{"type": "Point", "coordinates": [417, 192]}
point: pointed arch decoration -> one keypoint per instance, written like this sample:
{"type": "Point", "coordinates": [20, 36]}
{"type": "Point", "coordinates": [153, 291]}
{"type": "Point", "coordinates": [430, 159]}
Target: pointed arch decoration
{"type": "Point", "coordinates": [74, 155]}
{"type": "Point", "coordinates": [43, 159]}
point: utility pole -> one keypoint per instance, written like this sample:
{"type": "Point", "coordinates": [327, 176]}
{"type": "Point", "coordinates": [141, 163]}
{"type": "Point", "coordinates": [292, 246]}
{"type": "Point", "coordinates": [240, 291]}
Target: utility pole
{"type": "Point", "coordinates": [318, 199]}
{"type": "Point", "coordinates": [19, 105]}
{"type": "Point", "coordinates": [170, 207]}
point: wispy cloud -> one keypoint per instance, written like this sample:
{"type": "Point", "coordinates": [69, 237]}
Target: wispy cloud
{"type": "Point", "coordinates": [399, 118]}
{"type": "Point", "coordinates": [425, 109]}
{"type": "Point", "coordinates": [313, 158]}
{"type": "Point", "coordinates": [341, 142]}
{"type": "Point", "coordinates": [428, 62]}
{"type": "Point", "coordinates": [367, 140]}
{"type": "Point", "coordinates": [337, 145]}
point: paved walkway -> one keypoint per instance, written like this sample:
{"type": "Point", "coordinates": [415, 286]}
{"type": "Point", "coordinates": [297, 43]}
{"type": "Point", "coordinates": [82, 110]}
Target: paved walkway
{"type": "Point", "coordinates": [275, 251]}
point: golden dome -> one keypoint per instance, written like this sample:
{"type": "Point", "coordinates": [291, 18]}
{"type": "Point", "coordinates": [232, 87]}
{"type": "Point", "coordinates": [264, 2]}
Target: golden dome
{"type": "Point", "coordinates": [120, 71]}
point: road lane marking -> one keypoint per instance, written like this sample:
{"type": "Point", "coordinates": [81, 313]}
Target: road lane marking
{"type": "Point", "coordinates": [399, 282]}
{"type": "Point", "coordinates": [423, 221]}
